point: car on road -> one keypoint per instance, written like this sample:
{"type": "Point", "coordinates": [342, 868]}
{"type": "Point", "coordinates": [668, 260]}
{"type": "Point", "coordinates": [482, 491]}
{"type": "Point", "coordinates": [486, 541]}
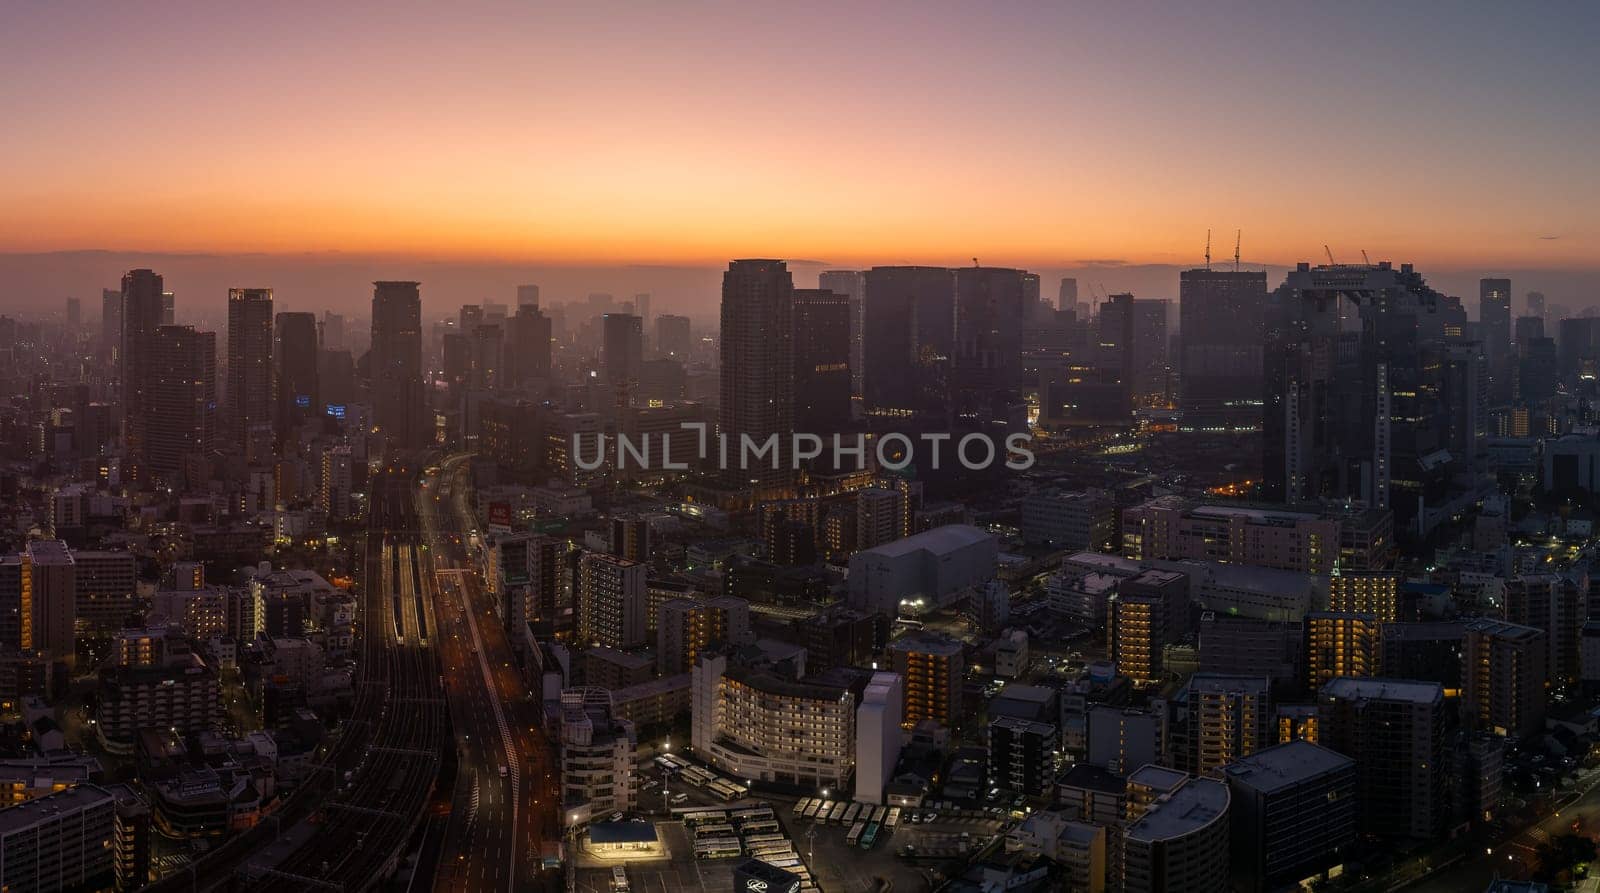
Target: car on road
{"type": "Point", "coordinates": [504, 771]}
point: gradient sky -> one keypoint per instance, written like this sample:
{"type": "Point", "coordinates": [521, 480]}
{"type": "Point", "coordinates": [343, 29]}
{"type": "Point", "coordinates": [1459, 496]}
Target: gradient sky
{"type": "Point", "coordinates": [1040, 134]}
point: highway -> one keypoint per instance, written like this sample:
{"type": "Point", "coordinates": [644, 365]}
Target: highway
{"type": "Point", "coordinates": [497, 823]}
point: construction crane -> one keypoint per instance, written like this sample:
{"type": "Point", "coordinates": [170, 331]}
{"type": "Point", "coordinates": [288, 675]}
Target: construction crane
{"type": "Point", "coordinates": [1364, 259]}
{"type": "Point", "coordinates": [1208, 250]}
{"type": "Point", "coordinates": [1237, 235]}
{"type": "Point", "coordinates": [1329, 252]}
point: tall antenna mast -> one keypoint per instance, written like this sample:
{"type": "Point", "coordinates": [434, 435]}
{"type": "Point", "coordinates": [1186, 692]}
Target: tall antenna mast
{"type": "Point", "coordinates": [1237, 235]}
{"type": "Point", "coordinates": [1208, 249]}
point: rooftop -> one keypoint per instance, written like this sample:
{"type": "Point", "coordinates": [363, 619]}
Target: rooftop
{"type": "Point", "coordinates": [939, 540]}
{"type": "Point", "coordinates": [1372, 689]}
{"type": "Point", "coordinates": [1093, 778]}
{"type": "Point", "coordinates": [1185, 811]}
{"type": "Point", "coordinates": [1294, 762]}
{"type": "Point", "coordinates": [1158, 778]}
{"type": "Point", "coordinates": [50, 806]}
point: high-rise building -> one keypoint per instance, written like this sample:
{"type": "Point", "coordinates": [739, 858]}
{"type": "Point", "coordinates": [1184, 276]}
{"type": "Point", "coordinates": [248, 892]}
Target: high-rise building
{"type": "Point", "coordinates": [1340, 644]}
{"type": "Point", "coordinates": [111, 321]}
{"type": "Point", "coordinates": [399, 403]}
{"type": "Point", "coordinates": [674, 339]}
{"type": "Point", "coordinates": [140, 319]}
{"type": "Point", "coordinates": [38, 600]}
{"type": "Point", "coordinates": [1558, 604]}
{"type": "Point", "coordinates": [331, 331]}
{"type": "Point", "coordinates": [1221, 317]}
{"type": "Point", "coordinates": [1291, 814]}
{"type": "Point", "coordinates": [1535, 303]}
{"type": "Point", "coordinates": [687, 627]}
{"type": "Point", "coordinates": [1147, 614]}
{"type": "Point", "coordinates": [1503, 668]}
{"type": "Point", "coordinates": [62, 841]}
{"type": "Point", "coordinates": [853, 286]}
{"type": "Point", "coordinates": [250, 369]}
{"type": "Point", "coordinates": [180, 405]}
{"type": "Point", "coordinates": [1494, 324]}
{"type": "Point", "coordinates": [1365, 592]}
{"type": "Point", "coordinates": [1022, 755]}
{"type": "Point", "coordinates": [1353, 368]}
{"type": "Point", "coordinates": [527, 296]}
{"type": "Point", "coordinates": [1227, 718]}
{"type": "Point", "coordinates": [1180, 843]}
{"type": "Point", "coordinates": [1067, 297]}
{"type": "Point", "coordinates": [908, 326]}
{"type": "Point", "coordinates": [622, 354]}
{"type": "Point", "coordinates": [762, 725]}
{"type": "Point", "coordinates": [1394, 730]}
{"type": "Point", "coordinates": [611, 603]}
{"type": "Point", "coordinates": [931, 668]}
{"type": "Point", "coordinates": [299, 392]}
{"type": "Point", "coordinates": [596, 755]}
{"type": "Point", "coordinates": [335, 483]}
{"type": "Point", "coordinates": [878, 736]}
{"type": "Point", "coordinates": [757, 393]}
{"type": "Point", "coordinates": [990, 309]}
{"type": "Point", "coordinates": [821, 361]}
{"type": "Point", "coordinates": [527, 354]}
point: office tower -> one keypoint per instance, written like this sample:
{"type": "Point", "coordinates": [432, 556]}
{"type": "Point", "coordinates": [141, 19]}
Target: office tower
{"type": "Point", "coordinates": [686, 628]}
{"type": "Point", "coordinates": [821, 362]}
{"type": "Point", "coordinates": [1352, 387]}
{"type": "Point", "coordinates": [1494, 326]}
{"type": "Point", "coordinates": [757, 386]}
{"type": "Point", "coordinates": [611, 604]}
{"type": "Point", "coordinates": [1503, 668]}
{"type": "Point", "coordinates": [853, 286]}
{"type": "Point", "coordinates": [1525, 329]}
{"type": "Point", "coordinates": [331, 331]}
{"type": "Point", "coordinates": [1249, 646]}
{"type": "Point", "coordinates": [1291, 814]}
{"type": "Point", "coordinates": [532, 578]}
{"type": "Point", "coordinates": [641, 309]}
{"type": "Point", "coordinates": [1180, 843]}
{"type": "Point", "coordinates": [140, 317]}
{"type": "Point", "coordinates": [74, 313]}
{"type": "Point", "coordinates": [469, 317]}
{"type": "Point", "coordinates": [1067, 297]}
{"type": "Point", "coordinates": [882, 516]}
{"type": "Point", "coordinates": [622, 354]}
{"type": "Point", "coordinates": [1394, 730]}
{"type": "Point", "coordinates": [1077, 521]}
{"type": "Point", "coordinates": [111, 320]}
{"type": "Point", "coordinates": [106, 582]}
{"type": "Point", "coordinates": [1558, 604]}
{"type": "Point", "coordinates": [597, 749]}
{"type": "Point", "coordinates": [878, 736]}
{"type": "Point", "coordinates": [990, 309]}
{"type": "Point", "coordinates": [1340, 644]}
{"type": "Point", "coordinates": [181, 398]}
{"type": "Point", "coordinates": [673, 337]}
{"type": "Point", "coordinates": [250, 409]}
{"type": "Point", "coordinates": [299, 394]}
{"type": "Point", "coordinates": [1221, 319]}
{"type": "Point", "coordinates": [527, 296]}
{"type": "Point", "coordinates": [527, 350]}
{"type": "Point", "coordinates": [335, 483]}
{"type": "Point", "coordinates": [60, 841]}
{"type": "Point", "coordinates": [1535, 303]}
{"type": "Point", "coordinates": [763, 725]}
{"type": "Point", "coordinates": [395, 361]}
{"type": "Point", "coordinates": [1227, 718]}
{"type": "Point", "coordinates": [1121, 739]}
{"type": "Point", "coordinates": [1147, 614]}
{"type": "Point", "coordinates": [169, 309]}
{"type": "Point", "coordinates": [908, 330]}
{"type": "Point", "coordinates": [1538, 370]}
{"type": "Point", "coordinates": [38, 600]}
{"type": "Point", "coordinates": [932, 667]}
{"type": "Point", "coordinates": [1022, 755]}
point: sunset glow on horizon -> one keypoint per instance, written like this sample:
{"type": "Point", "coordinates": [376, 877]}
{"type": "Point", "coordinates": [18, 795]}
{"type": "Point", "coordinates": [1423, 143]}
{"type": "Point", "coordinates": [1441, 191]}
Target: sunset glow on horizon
{"type": "Point", "coordinates": [900, 133]}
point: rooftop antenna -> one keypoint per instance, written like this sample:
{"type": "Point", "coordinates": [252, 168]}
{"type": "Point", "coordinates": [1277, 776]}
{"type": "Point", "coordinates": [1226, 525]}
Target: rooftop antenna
{"type": "Point", "coordinates": [1237, 235]}
{"type": "Point", "coordinates": [1329, 252]}
{"type": "Point", "coordinates": [1208, 249]}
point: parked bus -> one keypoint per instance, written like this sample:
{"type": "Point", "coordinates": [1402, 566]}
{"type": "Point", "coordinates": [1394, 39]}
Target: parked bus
{"type": "Point", "coordinates": [718, 848]}
{"type": "Point", "coordinates": [759, 839]}
{"type": "Point", "coordinates": [761, 826]}
{"type": "Point", "coordinates": [815, 809]}
{"type": "Point", "coordinates": [893, 819]}
{"type": "Point", "coordinates": [800, 806]}
{"type": "Point", "coordinates": [702, 816]}
{"type": "Point", "coordinates": [711, 832]}
{"type": "Point", "coordinates": [870, 836]}
{"type": "Point", "coordinates": [851, 814]}
{"type": "Point", "coordinates": [855, 834]}
{"type": "Point", "coordinates": [726, 791]}
{"type": "Point", "coordinates": [836, 817]}
{"type": "Point", "coordinates": [619, 879]}
{"type": "Point", "coordinates": [879, 814]}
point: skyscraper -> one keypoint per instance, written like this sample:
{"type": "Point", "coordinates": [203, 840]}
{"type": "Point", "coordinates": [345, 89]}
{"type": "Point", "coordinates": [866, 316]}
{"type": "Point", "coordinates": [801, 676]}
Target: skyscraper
{"type": "Point", "coordinates": [527, 346]}
{"type": "Point", "coordinates": [622, 354]}
{"type": "Point", "coordinates": [850, 284]}
{"type": "Point", "coordinates": [527, 296]}
{"type": "Point", "coordinates": [673, 338]}
{"type": "Point", "coordinates": [757, 369]}
{"type": "Point", "coordinates": [299, 395]}
{"type": "Point", "coordinates": [250, 409]}
{"type": "Point", "coordinates": [1494, 323]}
{"type": "Point", "coordinates": [821, 361]}
{"type": "Point", "coordinates": [990, 308]}
{"type": "Point", "coordinates": [1067, 297]}
{"type": "Point", "coordinates": [399, 406]}
{"type": "Point", "coordinates": [140, 318]}
{"type": "Point", "coordinates": [74, 313]}
{"type": "Point", "coordinates": [111, 320]}
{"type": "Point", "coordinates": [908, 326]}
{"type": "Point", "coordinates": [181, 400]}
{"type": "Point", "coordinates": [1220, 319]}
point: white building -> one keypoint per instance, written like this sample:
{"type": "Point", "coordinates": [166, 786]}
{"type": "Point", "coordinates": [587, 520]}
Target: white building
{"type": "Point", "coordinates": [596, 755]}
{"type": "Point", "coordinates": [758, 725]}
{"type": "Point", "coordinates": [930, 569]}
{"type": "Point", "coordinates": [878, 736]}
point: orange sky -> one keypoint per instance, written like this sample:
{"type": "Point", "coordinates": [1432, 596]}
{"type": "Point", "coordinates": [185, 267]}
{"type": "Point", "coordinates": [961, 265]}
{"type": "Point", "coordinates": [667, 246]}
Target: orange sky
{"type": "Point", "coordinates": [1036, 135]}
